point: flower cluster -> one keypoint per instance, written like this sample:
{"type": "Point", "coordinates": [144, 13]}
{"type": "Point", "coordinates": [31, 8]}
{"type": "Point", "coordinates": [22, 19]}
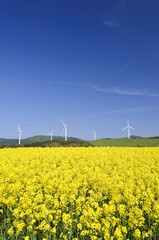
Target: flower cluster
{"type": "Point", "coordinates": [79, 193]}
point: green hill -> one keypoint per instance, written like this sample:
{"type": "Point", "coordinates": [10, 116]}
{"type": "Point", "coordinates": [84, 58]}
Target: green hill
{"type": "Point", "coordinates": [41, 138]}
{"type": "Point", "coordinates": [38, 138]}
{"type": "Point", "coordinates": [8, 141]}
{"type": "Point", "coordinates": [125, 142]}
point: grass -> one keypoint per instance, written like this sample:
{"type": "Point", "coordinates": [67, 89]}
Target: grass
{"type": "Point", "coordinates": [125, 142]}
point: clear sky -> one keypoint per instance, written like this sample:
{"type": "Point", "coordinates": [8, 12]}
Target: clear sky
{"type": "Point", "coordinates": [93, 64]}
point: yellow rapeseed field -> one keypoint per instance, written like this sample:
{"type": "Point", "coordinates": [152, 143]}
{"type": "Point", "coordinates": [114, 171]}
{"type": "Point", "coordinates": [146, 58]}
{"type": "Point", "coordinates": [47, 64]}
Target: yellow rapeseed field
{"type": "Point", "coordinates": [79, 193]}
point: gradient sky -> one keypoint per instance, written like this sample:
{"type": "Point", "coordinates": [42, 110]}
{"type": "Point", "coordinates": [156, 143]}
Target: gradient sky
{"type": "Point", "coordinates": [93, 64]}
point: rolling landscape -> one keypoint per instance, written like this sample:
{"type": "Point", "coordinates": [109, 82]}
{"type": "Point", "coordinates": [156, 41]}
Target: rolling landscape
{"type": "Point", "coordinates": [44, 141]}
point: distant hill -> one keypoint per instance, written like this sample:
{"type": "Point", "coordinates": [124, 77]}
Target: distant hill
{"type": "Point", "coordinates": [42, 138]}
{"type": "Point", "coordinates": [38, 138]}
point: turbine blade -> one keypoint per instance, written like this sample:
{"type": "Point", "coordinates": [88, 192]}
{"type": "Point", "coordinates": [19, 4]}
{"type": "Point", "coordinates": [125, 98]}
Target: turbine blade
{"type": "Point", "coordinates": [124, 128]}
{"type": "Point", "coordinates": [63, 124]}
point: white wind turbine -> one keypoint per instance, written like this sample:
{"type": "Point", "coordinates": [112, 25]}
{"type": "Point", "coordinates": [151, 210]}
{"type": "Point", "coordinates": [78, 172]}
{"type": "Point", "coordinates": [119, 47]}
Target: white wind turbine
{"type": "Point", "coordinates": [65, 129]}
{"type": "Point", "coordinates": [128, 127]}
{"type": "Point", "coordinates": [51, 135]}
{"type": "Point", "coordinates": [94, 135]}
{"type": "Point", "coordinates": [20, 134]}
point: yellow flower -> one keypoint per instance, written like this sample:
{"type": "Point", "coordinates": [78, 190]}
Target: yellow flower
{"type": "Point", "coordinates": [53, 230]}
{"type": "Point", "coordinates": [124, 229]}
{"type": "Point", "coordinates": [79, 226]}
{"type": "Point", "coordinates": [118, 234]}
{"type": "Point", "coordinates": [26, 238]}
{"type": "Point", "coordinates": [137, 233]}
{"type": "Point", "coordinates": [10, 231]}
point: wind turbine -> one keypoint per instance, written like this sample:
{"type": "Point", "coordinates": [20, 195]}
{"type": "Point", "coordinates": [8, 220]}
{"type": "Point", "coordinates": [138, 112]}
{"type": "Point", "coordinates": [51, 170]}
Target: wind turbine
{"type": "Point", "coordinates": [20, 133]}
{"type": "Point", "coordinates": [51, 135]}
{"type": "Point", "coordinates": [128, 127]}
{"type": "Point", "coordinates": [94, 134]}
{"type": "Point", "coordinates": [65, 129]}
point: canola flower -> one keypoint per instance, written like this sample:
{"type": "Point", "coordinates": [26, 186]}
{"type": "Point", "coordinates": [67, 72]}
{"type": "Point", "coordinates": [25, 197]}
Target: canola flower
{"type": "Point", "coordinates": [79, 193]}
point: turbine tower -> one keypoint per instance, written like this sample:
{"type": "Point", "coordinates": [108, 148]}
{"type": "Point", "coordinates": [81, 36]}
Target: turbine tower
{"type": "Point", "coordinates": [128, 127]}
{"type": "Point", "coordinates": [94, 134]}
{"type": "Point", "coordinates": [65, 129]}
{"type": "Point", "coordinates": [20, 134]}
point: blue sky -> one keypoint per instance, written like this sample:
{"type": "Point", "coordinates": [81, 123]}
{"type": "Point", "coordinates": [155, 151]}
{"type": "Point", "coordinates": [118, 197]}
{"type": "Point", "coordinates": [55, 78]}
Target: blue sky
{"type": "Point", "coordinates": [93, 64]}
